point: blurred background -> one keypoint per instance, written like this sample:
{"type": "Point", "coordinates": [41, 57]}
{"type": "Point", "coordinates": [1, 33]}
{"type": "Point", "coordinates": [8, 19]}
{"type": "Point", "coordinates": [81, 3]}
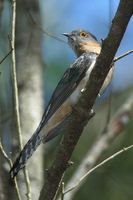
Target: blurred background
{"type": "Point", "coordinates": [42, 55]}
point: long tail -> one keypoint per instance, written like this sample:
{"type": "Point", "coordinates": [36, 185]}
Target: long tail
{"type": "Point", "coordinates": [26, 153]}
{"type": "Point", "coordinates": [33, 143]}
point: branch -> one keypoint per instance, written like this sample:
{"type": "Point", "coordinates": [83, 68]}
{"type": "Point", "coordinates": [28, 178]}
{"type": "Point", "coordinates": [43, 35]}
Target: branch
{"type": "Point", "coordinates": [117, 124]}
{"type": "Point", "coordinates": [6, 56]}
{"type": "Point", "coordinates": [122, 56]}
{"type": "Point", "coordinates": [99, 165]}
{"type": "Point", "coordinates": [33, 21]}
{"type": "Point", "coordinates": [15, 93]}
{"type": "Point", "coordinates": [85, 103]}
{"type": "Point", "coordinates": [10, 164]}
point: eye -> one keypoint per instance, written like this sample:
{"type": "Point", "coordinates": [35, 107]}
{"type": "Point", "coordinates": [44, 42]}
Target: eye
{"type": "Point", "coordinates": [83, 34]}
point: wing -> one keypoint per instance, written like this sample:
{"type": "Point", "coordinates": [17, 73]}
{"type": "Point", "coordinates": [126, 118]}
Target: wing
{"type": "Point", "coordinates": [67, 85]}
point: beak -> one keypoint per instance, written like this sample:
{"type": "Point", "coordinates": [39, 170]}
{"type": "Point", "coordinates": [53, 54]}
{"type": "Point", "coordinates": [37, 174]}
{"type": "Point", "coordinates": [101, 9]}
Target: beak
{"type": "Point", "coordinates": [66, 34]}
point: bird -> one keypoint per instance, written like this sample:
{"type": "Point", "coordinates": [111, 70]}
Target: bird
{"type": "Point", "coordinates": [65, 95]}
